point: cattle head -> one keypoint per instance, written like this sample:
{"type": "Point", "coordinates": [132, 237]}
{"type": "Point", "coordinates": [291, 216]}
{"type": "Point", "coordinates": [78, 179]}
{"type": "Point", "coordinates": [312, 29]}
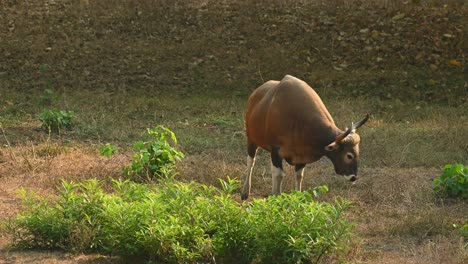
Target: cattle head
{"type": "Point", "coordinates": [344, 151]}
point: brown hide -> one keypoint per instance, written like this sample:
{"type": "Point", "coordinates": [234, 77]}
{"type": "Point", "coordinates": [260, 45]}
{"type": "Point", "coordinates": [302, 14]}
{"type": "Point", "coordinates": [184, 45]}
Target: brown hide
{"type": "Point", "coordinates": [290, 115]}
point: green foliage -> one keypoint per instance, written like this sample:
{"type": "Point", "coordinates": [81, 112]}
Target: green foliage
{"type": "Point", "coordinates": [462, 229]}
{"type": "Point", "coordinates": [178, 222]}
{"type": "Point", "coordinates": [107, 150]}
{"type": "Point", "coordinates": [290, 228]}
{"type": "Point", "coordinates": [319, 190]}
{"type": "Point", "coordinates": [60, 224]}
{"type": "Point", "coordinates": [155, 157]}
{"type": "Point", "coordinates": [55, 120]}
{"type": "Point", "coordinates": [453, 182]}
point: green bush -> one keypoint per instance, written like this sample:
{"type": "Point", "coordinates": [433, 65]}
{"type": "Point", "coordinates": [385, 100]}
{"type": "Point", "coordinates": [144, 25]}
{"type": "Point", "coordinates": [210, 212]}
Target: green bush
{"type": "Point", "coordinates": [55, 120]}
{"type": "Point", "coordinates": [453, 182]}
{"type": "Point", "coordinates": [176, 222]}
{"type": "Point", "coordinates": [155, 157]}
{"type": "Point", "coordinates": [291, 228]}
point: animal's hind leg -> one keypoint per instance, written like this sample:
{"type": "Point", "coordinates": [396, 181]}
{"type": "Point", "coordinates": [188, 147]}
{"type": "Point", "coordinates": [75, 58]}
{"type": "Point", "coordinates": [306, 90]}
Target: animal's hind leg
{"type": "Point", "coordinates": [299, 171]}
{"type": "Point", "coordinates": [277, 172]}
{"type": "Point", "coordinates": [252, 151]}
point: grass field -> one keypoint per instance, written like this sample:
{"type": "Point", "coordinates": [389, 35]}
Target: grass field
{"type": "Point", "coordinates": [194, 75]}
{"type": "Point", "coordinates": [397, 216]}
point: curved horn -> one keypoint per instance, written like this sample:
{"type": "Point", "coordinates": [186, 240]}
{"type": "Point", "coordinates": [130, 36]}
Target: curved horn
{"type": "Point", "coordinates": [360, 123]}
{"type": "Point", "coordinates": [342, 136]}
{"type": "Point", "coordinates": [353, 128]}
{"type": "Point", "coordinates": [335, 144]}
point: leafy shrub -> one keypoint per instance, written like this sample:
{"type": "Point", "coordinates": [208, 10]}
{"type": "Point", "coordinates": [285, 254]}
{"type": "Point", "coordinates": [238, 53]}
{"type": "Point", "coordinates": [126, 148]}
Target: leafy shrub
{"type": "Point", "coordinates": [290, 228]}
{"type": "Point", "coordinates": [453, 182]}
{"type": "Point", "coordinates": [178, 222]}
{"type": "Point", "coordinates": [155, 157]}
{"type": "Point", "coordinates": [107, 150]}
{"type": "Point", "coordinates": [54, 225]}
{"type": "Point", "coordinates": [55, 120]}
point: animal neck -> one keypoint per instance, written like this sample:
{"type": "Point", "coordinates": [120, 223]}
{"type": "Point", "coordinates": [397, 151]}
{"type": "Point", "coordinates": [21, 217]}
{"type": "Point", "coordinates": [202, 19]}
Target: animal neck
{"type": "Point", "coordinates": [321, 136]}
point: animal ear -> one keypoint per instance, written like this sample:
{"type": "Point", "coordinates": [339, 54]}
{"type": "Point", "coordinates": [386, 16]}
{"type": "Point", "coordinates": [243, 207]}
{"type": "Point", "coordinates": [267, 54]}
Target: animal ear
{"type": "Point", "coordinates": [332, 146]}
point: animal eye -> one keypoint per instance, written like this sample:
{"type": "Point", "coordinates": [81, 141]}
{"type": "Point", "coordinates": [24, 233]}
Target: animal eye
{"type": "Point", "coordinates": [350, 156]}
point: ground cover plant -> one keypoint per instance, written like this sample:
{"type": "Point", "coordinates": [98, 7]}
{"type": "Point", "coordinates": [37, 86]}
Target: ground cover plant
{"type": "Point", "coordinates": [55, 120]}
{"type": "Point", "coordinates": [107, 150]}
{"type": "Point", "coordinates": [177, 222]}
{"type": "Point", "coordinates": [190, 65]}
{"type": "Point", "coordinates": [155, 157]}
{"type": "Point", "coordinates": [453, 182]}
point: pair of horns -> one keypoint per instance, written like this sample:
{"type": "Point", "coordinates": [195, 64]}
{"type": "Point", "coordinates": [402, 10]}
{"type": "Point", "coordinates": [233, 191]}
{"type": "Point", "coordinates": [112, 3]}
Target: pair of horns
{"type": "Point", "coordinates": [335, 144]}
{"type": "Point", "coordinates": [353, 128]}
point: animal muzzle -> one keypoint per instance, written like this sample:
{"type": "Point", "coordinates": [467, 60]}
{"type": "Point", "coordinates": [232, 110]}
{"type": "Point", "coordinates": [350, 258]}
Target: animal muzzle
{"type": "Point", "coordinates": [351, 177]}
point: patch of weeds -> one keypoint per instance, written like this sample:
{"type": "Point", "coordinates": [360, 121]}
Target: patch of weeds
{"type": "Point", "coordinates": [107, 150]}
{"type": "Point", "coordinates": [306, 228]}
{"type": "Point", "coordinates": [155, 157]}
{"type": "Point", "coordinates": [55, 120]}
{"type": "Point", "coordinates": [39, 157]}
{"type": "Point", "coordinates": [453, 183]}
{"type": "Point", "coordinates": [177, 222]}
{"type": "Point", "coordinates": [50, 150]}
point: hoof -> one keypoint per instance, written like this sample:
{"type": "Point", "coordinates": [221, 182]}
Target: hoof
{"type": "Point", "coordinates": [244, 196]}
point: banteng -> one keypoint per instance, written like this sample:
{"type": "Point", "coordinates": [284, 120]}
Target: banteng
{"type": "Point", "coordinates": [288, 119]}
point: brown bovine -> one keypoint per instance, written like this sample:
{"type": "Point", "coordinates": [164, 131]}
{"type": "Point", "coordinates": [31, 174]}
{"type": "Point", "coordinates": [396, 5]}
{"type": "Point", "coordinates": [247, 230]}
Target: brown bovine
{"type": "Point", "coordinates": [288, 119]}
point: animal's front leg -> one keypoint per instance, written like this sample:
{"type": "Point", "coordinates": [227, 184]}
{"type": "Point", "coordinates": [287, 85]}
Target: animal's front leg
{"type": "Point", "coordinates": [252, 152]}
{"type": "Point", "coordinates": [299, 171]}
{"type": "Point", "coordinates": [277, 172]}
{"type": "Point", "coordinates": [248, 178]}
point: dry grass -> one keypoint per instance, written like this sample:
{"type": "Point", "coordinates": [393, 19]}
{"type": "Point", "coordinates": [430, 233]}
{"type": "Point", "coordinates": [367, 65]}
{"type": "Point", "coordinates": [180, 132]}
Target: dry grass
{"type": "Point", "coordinates": [397, 217]}
{"type": "Point", "coordinates": [396, 214]}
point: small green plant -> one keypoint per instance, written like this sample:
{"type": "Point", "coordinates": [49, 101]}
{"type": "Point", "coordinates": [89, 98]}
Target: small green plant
{"type": "Point", "coordinates": [56, 120]}
{"type": "Point", "coordinates": [318, 191]}
{"type": "Point", "coordinates": [155, 157]}
{"type": "Point", "coordinates": [107, 150]}
{"type": "Point", "coordinates": [453, 182]}
{"type": "Point", "coordinates": [462, 229]}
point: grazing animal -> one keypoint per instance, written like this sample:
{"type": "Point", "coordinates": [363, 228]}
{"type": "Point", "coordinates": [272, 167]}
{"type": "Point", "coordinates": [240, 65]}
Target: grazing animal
{"type": "Point", "coordinates": [288, 119]}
